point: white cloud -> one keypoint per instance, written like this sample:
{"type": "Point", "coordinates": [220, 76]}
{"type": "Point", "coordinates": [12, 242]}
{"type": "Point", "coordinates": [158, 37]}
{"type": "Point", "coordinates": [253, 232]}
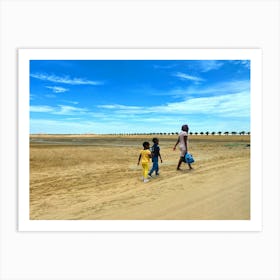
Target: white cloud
{"type": "Point", "coordinates": [56, 89]}
{"type": "Point", "coordinates": [41, 109]}
{"type": "Point", "coordinates": [80, 126]}
{"type": "Point", "coordinates": [188, 77]}
{"type": "Point", "coordinates": [156, 66]}
{"type": "Point", "coordinates": [121, 107]}
{"type": "Point", "coordinates": [50, 95]}
{"type": "Point", "coordinates": [70, 110]}
{"type": "Point", "coordinates": [228, 105]}
{"type": "Point", "coordinates": [236, 105]}
{"type": "Point", "coordinates": [59, 110]}
{"type": "Point", "coordinates": [58, 126]}
{"type": "Point", "coordinates": [199, 90]}
{"type": "Point", "coordinates": [216, 113]}
{"type": "Point", "coordinates": [64, 79]}
{"type": "Point", "coordinates": [222, 88]}
{"type": "Point", "coordinates": [70, 102]}
{"type": "Point", "coordinates": [209, 65]}
{"type": "Point", "coordinates": [244, 63]}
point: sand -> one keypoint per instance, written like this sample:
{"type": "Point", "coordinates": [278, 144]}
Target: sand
{"type": "Point", "coordinates": [95, 177]}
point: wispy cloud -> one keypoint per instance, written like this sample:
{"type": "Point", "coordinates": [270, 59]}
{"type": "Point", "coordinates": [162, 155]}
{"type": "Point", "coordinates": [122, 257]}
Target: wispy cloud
{"type": "Point", "coordinates": [188, 77]}
{"type": "Point", "coordinates": [236, 105]}
{"type": "Point", "coordinates": [119, 107]}
{"type": "Point", "coordinates": [244, 63]}
{"type": "Point", "coordinates": [64, 79]}
{"type": "Point", "coordinates": [81, 126]}
{"type": "Point", "coordinates": [194, 90]}
{"type": "Point", "coordinates": [170, 66]}
{"type": "Point", "coordinates": [224, 109]}
{"type": "Point", "coordinates": [58, 110]}
{"type": "Point", "coordinates": [70, 110]}
{"type": "Point", "coordinates": [56, 89]}
{"type": "Point", "coordinates": [71, 102]}
{"type": "Point", "coordinates": [50, 95]}
{"type": "Point", "coordinates": [230, 99]}
{"type": "Point", "coordinates": [209, 65]}
{"type": "Point", "coordinates": [60, 126]}
{"type": "Point", "coordinates": [40, 109]}
{"type": "Point", "coordinates": [223, 88]}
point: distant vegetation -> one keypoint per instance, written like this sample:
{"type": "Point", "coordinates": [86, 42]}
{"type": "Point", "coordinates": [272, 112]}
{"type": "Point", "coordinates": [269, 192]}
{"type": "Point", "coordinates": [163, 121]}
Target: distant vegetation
{"type": "Point", "coordinates": [151, 133]}
{"type": "Point", "coordinates": [191, 133]}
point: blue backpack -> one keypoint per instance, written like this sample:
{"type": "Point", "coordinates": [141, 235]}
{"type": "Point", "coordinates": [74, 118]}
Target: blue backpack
{"type": "Point", "coordinates": [189, 158]}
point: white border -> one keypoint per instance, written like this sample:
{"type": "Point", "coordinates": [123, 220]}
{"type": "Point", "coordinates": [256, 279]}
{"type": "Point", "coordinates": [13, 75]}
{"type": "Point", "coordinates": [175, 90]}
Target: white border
{"type": "Point", "coordinates": [254, 224]}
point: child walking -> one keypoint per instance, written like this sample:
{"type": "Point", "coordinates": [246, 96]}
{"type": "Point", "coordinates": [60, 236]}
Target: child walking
{"type": "Point", "coordinates": [145, 156]}
{"type": "Point", "coordinates": [155, 155]}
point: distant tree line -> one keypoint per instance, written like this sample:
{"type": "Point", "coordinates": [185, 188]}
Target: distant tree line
{"type": "Point", "coordinates": [221, 133]}
{"type": "Point", "coordinates": [191, 133]}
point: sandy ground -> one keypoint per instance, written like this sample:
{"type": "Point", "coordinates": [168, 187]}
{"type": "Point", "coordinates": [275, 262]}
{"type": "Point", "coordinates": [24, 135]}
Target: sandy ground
{"type": "Point", "coordinates": [97, 177]}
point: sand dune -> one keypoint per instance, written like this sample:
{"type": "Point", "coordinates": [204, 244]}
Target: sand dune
{"type": "Point", "coordinates": [97, 177]}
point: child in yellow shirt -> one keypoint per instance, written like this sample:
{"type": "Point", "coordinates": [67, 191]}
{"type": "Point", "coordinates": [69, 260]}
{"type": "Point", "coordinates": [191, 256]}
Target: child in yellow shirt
{"type": "Point", "coordinates": [145, 156]}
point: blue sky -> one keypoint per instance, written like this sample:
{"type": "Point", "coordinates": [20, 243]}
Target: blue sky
{"type": "Point", "coordinates": [139, 96]}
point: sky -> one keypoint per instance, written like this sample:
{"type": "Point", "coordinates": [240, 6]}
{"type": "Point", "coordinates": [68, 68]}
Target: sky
{"type": "Point", "coordinates": [139, 96]}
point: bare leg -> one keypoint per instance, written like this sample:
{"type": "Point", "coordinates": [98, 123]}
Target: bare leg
{"type": "Point", "coordinates": [179, 164]}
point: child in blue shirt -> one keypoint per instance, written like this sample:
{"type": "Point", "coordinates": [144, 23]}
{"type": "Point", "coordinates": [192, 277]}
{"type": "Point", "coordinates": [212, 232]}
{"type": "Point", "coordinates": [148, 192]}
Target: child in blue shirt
{"type": "Point", "coordinates": [155, 155]}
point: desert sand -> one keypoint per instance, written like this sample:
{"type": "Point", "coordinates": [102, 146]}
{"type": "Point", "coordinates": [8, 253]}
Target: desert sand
{"type": "Point", "coordinates": [96, 177]}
